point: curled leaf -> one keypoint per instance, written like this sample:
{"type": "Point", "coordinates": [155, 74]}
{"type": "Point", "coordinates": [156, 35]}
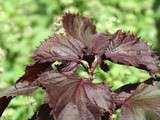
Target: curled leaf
{"type": "Point", "coordinates": [143, 104]}
{"type": "Point", "coordinates": [23, 84]}
{"type": "Point", "coordinates": [20, 89]}
{"type": "Point", "coordinates": [33, 71]}
{"type": "Point", "coordinates": [125, 48]}
{"type": "Point", "coordinates": [79, 27]}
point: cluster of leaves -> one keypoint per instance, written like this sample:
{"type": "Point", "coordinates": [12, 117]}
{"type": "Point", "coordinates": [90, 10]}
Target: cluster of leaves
{"type": "Point", "coordinates": [73, 97]}
{"type": "Point", "coordinates": [27, 26]}
{"type": "Point", "coordinates": [23, 27]}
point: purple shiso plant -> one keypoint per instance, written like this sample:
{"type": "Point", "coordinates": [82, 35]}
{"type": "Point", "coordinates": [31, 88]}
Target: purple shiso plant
{"type": "Point", "coordinates": [73, 97]}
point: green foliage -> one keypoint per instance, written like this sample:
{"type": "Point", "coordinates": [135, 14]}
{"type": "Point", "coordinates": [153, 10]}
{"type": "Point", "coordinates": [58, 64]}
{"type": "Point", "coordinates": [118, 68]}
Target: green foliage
{"type": "Point", "coordinates": [24, 23]}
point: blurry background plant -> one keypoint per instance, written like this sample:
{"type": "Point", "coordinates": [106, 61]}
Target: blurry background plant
{"type": "Point", "coordinates": [24, 23]}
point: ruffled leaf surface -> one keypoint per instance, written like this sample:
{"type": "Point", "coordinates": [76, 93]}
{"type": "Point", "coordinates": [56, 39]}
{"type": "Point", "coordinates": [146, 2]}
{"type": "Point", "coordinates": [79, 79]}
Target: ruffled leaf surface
{"type": "Point", "coordinates": [23, 85]}
{"type": "Point", "coordinates": [74, 99]}
{"type": "Point", "coordinates": [126, 48]}
{"type": "Point", "coordinates": [143, 104]}
{"type": "Point", "coordinates": [33, 71]}
{"type": "Point", "coordinates": [79, 27]}
{"type": "Point", "coordinates": [58, 48]}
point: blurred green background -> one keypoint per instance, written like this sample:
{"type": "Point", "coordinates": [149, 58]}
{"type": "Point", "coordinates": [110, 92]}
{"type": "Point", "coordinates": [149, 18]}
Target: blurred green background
{"type": "Point", "coordinates": [25, 23]}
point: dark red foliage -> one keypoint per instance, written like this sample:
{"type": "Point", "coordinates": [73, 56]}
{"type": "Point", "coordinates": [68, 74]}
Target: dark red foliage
{"type": "Point", "coordinates": [79, 27]}
{"type": "Point", "coordinates": [31, 74]}
{"type": "Point", "coordinates": [4, 101]}
{"type": "Point", "coordinates": [60, 47]}
{"type": "Point", "coordinates": [143, 103]}
{"type": "Point", "coordinates": [44, 113]}
{"type": "Point", "coordinates": [71, 97]}
{"type": "Point", "coordinates": [74, 99]}
{"type": "Point", "coordinates": [33, 71]}
{"type": "Point", "coordinates": [126, 48]}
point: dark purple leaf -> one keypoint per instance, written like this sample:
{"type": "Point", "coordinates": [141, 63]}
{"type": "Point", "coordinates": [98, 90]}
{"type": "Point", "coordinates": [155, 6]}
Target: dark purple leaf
{"type": "Point", "coordinates": [100, 43]}
{"type": "Point", "coordinates": [33, 71]}
{"type": "Point", "coordinates": [23, 88]}
{"type": "Point", "coordinates": [44, 113]}
{"type": "Point", "coordinates": [74, 99]}
{"type": "Point", "coordinates": [4, 101]}
{"type": "Point", "coordinates": [59, 48]}
{"type": "Point", "coordinates": [133, 86]}
{"type": "Point", "coordinates": [70, 97]}
{"type": "Point", "coordinates": [23, 84]}
{"type": "Point", "coordinates": [67, 67]}
{"type": "Point", "coordinates": [125, 48]}
{"type": "Point", "coordinates": [143, 104]}
{"type": "Point", "coordinates": [79, 27]}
